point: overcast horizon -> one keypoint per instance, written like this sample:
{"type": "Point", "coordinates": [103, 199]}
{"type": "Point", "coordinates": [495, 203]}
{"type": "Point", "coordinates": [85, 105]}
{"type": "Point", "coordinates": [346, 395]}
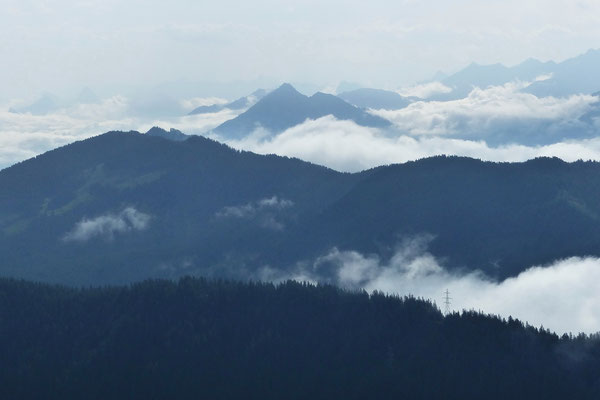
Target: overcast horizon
{"type": "Point", "coordinates": [62, 46]}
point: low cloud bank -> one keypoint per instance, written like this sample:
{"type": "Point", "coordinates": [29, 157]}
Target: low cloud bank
{"type": "Point", "coordinates": [108, 225]}
{"type": "Point", "coordinates": [265, 212]}
{"type": "Point", "coordinates": [498, 113]}
{"type": "Point", "coordinates": [562, 297]}
{"type": "Point", "coordinates": [500, 123]}
{"type": "Point", "coordinates": [345, 146]}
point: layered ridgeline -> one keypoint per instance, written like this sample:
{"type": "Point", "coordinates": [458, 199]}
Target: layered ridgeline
{"type": "Point", "coordinates": [123, 207]}
{"type": "Point", "coordinates": [576, 75]}
{"type": "Point", "coordinates": [285, 107]}
{"type": "Point", "coordinates": [196, 339]}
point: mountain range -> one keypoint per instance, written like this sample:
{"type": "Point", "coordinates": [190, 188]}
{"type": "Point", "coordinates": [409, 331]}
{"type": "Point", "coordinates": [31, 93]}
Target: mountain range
{"type": "Point", "coordinates": [122, 207]}
{"type": "Point", "coordinates": [285, 107]}
{"type": "Point", "coordinates": [572, 76]}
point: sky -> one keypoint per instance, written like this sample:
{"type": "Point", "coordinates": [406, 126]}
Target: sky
{"type": "Point", "coordinates": [60, 46]}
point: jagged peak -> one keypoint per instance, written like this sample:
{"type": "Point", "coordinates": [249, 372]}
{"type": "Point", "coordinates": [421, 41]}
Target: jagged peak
{"type": "Point", "coordinates": [286, 88]}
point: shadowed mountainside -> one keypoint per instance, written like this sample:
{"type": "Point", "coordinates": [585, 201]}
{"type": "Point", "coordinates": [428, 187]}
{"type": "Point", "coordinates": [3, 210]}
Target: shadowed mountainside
{"type": "Point", "coordinates": [195, 338]}
{"type": "Point", "coordinates": [124, 207]}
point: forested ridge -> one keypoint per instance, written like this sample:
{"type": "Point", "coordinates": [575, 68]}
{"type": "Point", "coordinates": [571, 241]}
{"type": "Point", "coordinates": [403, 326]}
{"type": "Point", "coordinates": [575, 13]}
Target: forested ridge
{"type": "Point", "coordinates": [196, 338]}
{"type": "Point", "coordinates": [217, 212]}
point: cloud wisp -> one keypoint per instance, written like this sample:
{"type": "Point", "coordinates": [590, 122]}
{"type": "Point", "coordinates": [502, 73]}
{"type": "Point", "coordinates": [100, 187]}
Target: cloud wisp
{"type": "Point", "coordinates": [562, 296]}
{"type": "Point", "coordinates": [425, 90]}
{"type": "Point", "coordinates": [107, 226]}
{"type": "Point", "coordinates": [265, 212]}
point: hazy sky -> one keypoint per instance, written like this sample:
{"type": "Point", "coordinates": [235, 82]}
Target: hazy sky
{"type": "Point", "coordinates": [59, 45]}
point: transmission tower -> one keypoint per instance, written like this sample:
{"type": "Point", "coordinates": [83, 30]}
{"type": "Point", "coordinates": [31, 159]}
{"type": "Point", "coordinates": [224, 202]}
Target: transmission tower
{"type": "Point", "coordinates": [447, 302]}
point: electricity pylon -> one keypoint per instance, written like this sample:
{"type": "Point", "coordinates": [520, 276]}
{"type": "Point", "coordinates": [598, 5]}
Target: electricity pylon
{"type": "Point", "coordinates": [447, 303]}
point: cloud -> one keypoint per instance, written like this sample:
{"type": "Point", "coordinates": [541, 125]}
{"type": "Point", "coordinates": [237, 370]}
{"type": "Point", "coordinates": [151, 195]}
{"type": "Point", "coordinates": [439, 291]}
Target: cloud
{"type": "Point", "coordinates": [544, 77]}
{"type": "Point", "coordinates": [190, 104]}
{"type": "Point", "coordinates": [425, 90]}
{"type": "Point", "coordinates": [498, 113]}
{"type": "Point", "coordinates": [108, 225]}
{"type": "Point", "coordinates": [265, 211]}
{"type": "Point", "coordinates": [497, 124]}
{"type": "Point", "coordinates": [562, 296]}
{"type": "Point", "coordinates": [345, 146]}
{"type": "Point", "coordinates": [23, 136]}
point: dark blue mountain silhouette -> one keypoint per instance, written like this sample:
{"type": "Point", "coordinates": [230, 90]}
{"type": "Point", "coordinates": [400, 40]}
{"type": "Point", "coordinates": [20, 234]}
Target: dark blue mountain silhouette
{"type": "Point", "coordinates": [199, 339]}
{"type": "Point", "coordinates": [123, 207]}
{"type": "Point", "coordinates": [285, 107]}
{"type": "Point", "coordinates": [47, 103]}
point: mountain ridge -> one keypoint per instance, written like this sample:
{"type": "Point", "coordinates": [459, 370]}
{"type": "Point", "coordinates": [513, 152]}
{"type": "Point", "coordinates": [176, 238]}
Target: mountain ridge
{"type": "Point", "coordinates": [571, 76]}
{"type": "Point", "coordinates": [123, 207]}
{"type": "Point", "coordinates": [180, 339]}
{"type": "Point", "coordinates": [285, 107]}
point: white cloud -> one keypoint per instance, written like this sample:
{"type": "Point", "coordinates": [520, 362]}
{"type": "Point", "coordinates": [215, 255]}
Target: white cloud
{"type": "Point", "coordinates": [495, 110]}
{"type": "Point", "coordinates": [23, 136]}
{"type": "Point", "coordinates": [544, 77]}
{"type": "Point", "coordinates": [425, 90]}
{"type": "Point", "coordinates": [484, 125]}
{"type": "Point", "coordinates": [266, 212]}
{"type": "Point", "coordinates": [275, 202]}
{"type": "Point", "coordinates": [345, 146]}
{"type": "Point", "coordinates": [562, 296]}
{"type": "Point", "coordinates": [108, 225]}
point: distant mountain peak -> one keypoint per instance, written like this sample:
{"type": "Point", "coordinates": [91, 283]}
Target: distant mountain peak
{"type": "Point", "coordinates": [285, 107]}
{"type": "Point", "coordinates": [45, 104]}
{"type": "Point", "coordinates": [287, 85]}
{"type": "Point", "coordinates": [284, 89]}
{"type": "Point", "coordinates": [172, 134]}
{"type": "Point", "coordinates": [572, 76]}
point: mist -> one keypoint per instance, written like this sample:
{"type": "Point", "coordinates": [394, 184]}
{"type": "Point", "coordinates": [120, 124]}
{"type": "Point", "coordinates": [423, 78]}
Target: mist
{"type": "Point", "coordinates": [562, 296]}
{"type": "Point", "coordinates": [345, 146]}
